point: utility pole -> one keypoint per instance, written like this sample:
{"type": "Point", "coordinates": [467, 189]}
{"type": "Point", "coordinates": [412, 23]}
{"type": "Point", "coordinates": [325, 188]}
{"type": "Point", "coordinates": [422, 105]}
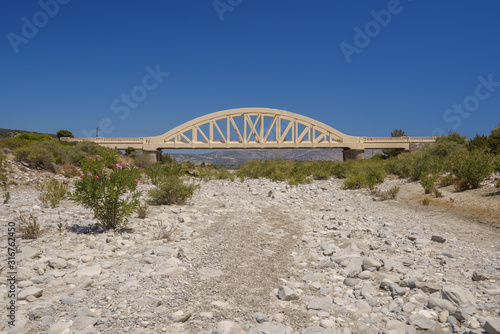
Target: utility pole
{"type": "Point", "coordinates": [97, 132]}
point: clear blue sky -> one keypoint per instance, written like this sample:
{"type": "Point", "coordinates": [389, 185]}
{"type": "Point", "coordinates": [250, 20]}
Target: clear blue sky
{"type": "Point", "coordinates": [72, 70]}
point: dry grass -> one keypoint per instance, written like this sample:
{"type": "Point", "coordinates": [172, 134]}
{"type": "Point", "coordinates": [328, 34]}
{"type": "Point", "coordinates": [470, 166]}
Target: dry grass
{"type": "Point", "coordinates": [165, 231]}
{"type": "Point", "coordinates": [28, 227]}
{"type": "Point", "coordinates": [69, 170]}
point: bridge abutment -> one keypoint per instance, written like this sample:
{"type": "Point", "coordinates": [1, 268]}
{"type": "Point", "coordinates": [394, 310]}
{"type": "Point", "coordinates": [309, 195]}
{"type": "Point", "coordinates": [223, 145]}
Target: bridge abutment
{"type": "Point", "coordinates": [350, 154]}
{"type": "Point", "coordinates": [152, 156]}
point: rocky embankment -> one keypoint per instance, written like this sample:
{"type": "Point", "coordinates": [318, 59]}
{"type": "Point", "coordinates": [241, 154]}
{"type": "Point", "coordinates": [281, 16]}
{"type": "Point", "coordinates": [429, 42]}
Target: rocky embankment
{"type": "Point", "coordinates": [257, 257]}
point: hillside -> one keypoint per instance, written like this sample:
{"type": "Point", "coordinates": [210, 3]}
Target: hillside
{"type": "Point", "coordinates": [5, 133]}
{"type": "Point", "coordinates": [237, 157]}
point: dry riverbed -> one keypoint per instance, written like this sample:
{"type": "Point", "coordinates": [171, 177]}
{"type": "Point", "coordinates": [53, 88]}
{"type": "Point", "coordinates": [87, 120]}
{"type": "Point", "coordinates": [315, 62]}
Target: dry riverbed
{"type": "Point", "coordinates": [260, 257]}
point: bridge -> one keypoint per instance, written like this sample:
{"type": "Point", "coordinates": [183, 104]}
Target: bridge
{"type": "Point", "coordinates": [259, 128]}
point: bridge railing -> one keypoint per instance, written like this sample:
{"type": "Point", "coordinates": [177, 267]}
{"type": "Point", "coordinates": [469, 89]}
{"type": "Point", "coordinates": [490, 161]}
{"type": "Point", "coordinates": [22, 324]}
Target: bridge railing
{"type": "Point", "coordinates": [398, 139]}
{"type": "Point", "coordinates": [103, 140]}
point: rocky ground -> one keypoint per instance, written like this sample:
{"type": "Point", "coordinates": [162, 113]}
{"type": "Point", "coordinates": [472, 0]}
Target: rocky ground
{"type": "Point", "coordinates": [260, 258]}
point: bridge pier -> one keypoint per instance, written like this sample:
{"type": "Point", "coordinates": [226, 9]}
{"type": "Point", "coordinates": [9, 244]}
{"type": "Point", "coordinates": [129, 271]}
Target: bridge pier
{"type": "Point", "coordinates": [350, 154]}
{"type": "Point", "coordinates": [152, 156]}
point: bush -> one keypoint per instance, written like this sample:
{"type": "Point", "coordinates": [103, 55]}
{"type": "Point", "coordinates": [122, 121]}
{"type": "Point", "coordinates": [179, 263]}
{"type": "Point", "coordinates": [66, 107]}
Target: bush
{"type": "Point", "coordinates": [53, 192]}
{"type": "Point", "coordinates": [110, 193]}
{"type": "Point", "coordinates": [64, 133]}
{"type": "Point", "coordinates": [28, 227]}
{"type": "Point", "coordinates": [33, 136]}
{"type": "Point", "coordinates": [4, 180]}
{"type": "Point", "coordinates": [426, 201]}
{"type": "Point", "coordinates": [69, 170]}
{"type": "Point", "coordinates": [172, 190]}
{"type": "Point", "coordinates": [470, 168]}
{"type": "Point", "coordinates": [364, 174]}
{"type": "Point", "coordinates": [36, 157]}
{"type": "Point", "coordinates": [446, 180]}
{"type": "Point", "coordinates": [224, 174]}
{"type": "Point", "coordinates": [157, 172]}
{"type": "Point", "coordinates": [143, 210]}
{"type": "Point", "coordinates": [386, 194]}
{"type": "Point", "coordinates": [479, 142]}
{"type": "Point", "coordinates": [428, 182]}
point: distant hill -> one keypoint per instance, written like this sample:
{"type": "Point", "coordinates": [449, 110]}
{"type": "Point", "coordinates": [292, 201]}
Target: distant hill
{"type": "Point", "coordinates": [238, 157]}
{"type": "Point", "coordinates": [5, 133]}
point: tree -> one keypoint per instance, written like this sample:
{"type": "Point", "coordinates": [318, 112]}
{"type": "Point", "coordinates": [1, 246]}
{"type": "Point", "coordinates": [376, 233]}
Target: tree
{"type": "Point", "coordinates": [398, 133]}
{"type": "Point", "coordinates": [494, 140]}
{"type": "Point", "coordinates": [479, 142]}
{"type": "Point", "coordinates": [64, 133]}
{"type": "Point", "coordinates": [130, 151]}
{"type": "Point", "coordinates": [391, 152]}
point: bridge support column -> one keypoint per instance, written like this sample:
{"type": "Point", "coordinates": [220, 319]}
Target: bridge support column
{"type": "Point", "coordinates": [152, 156]}
{"type": "Point", "coordinates": [353, 154]}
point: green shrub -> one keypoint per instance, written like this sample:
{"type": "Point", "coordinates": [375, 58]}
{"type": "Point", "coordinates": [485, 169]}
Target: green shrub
{"type": "Point", "coordinates": [35, 136]}
{"type": "Point", "coordinates": [446, 180]}
{"type": "Point", "coordinates": [64, 133]}
{"type": "Point", "coordinates": [224, 174]}
{"type": "Point", "coordinates": [470, 168]}
{"type": "Point", "coordinates": [171, 190]}
{"type": "Point", "coordinates": [157, 172]}
{"type": "Point", "coordinates": [428, 181]}
{"type": "Point", "coordinates": [53, 192]}
{"type": "Point", "coordinates": [479, 142]}
{"type": "Point", "coordinates": [364, 175]}
{"type": "Point", "coordinates": [426, 201]}
{"type": "Point", "coordinates": [494, 141]}
{"type": "Point", "coordinates": [142, 210]}
{"type": "Point", "coordinates": [110, 193]}
{"type": "Point", "coordinates": [36, 157]}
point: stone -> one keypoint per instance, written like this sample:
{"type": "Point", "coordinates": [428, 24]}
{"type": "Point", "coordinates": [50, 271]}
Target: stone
{"type": "Point", "coordinates": [149, 301]}
{"type": "Point", "coordinates": [83, 322]}
{"type": "Point", "coordinates": [173, 271]}
{"type": "Point", "coordinates": [318, 330]}
{"type": "Point", "coordinates": [69, 301]}
{"type": "Point", "coordinates": [320, 304]}
{"type": "Point", "coordinates": [58, 328]}
{"type": "Point", "coordinates": [285, 293]}
{"type": "Point", "coordinates": [427, 287]}
{"type": "Point", "coordinates": [30, 291]}
{"type": "Point", "coordinates": [354, 268]}
{"type": "Point", "coordinates": [421, 322]}
{"type": "Point", "coordinates": [442, 304]}
{"type": "Point", "coordinates": [58, 263]}
{"type": "Point", "coordinates": [369, 263]}
{"type": "Point", "coordinates": [367, 290]}
{"type": "Point", "coordinates": [437, 238]}
{"type": "Point", "coordinates": [492, 326]}
{"type": "Point", "coordinates": [40, 312]}
{"type": "Point", "coordinates": [351, 281]}
{"type": "Point", "coordinates": [458, 296]}
{"type": "Point", "coordinates": [209, 273]}
{"type": "Point", "coordinates": [90, 271]}
{"type": "Point", "coordinates": [270, 328]}
{"type": "Point", "coordinates": [327, 323]}
{"type": "Point", "coordinates": [226, 327]}
{"type": "Point", "coordinates": [479, 276]}
{"type": "Point", "coordinates": [365, 274]}
{"type": "Point", "coordinates": [260, 317]}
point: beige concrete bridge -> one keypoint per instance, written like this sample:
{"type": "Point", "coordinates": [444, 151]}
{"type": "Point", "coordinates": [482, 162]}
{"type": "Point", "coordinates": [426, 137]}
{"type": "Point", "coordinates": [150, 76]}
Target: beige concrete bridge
{"type": "Point", "coordinates": [259, 128]}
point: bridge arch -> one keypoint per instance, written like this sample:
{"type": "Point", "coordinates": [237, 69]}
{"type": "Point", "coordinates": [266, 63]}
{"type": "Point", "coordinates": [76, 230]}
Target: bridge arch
{"type": "Point", "coordinates": [253, 128]}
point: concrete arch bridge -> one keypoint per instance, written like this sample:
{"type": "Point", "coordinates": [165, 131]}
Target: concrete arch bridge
{"type": "Point", "coordinates": [259, 128]}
